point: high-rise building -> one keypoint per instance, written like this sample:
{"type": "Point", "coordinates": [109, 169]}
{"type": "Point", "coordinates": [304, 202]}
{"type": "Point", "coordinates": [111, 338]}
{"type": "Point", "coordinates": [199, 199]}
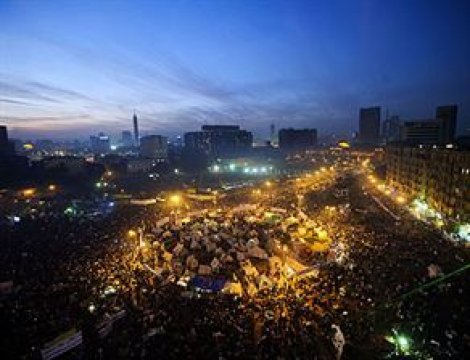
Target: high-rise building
{"type": "Point", "coordinates": [272, 136]}
{"type": "Point", "coordinates": [6, 146]}
{"type": "Point", "coordinates": [392, 129]}
{"type": "Point", "coordinates": [369, 125]}
{"type": "Point", "coordinates": [422, 132]}
{"type": "Point", "coordinates": [154, 147]}
{"type": "Point", "coordinates": [136, 130]}
{"type": "Point", "coordinates": [435, 174]}
{"type": "Point", "coordinates": [447, 117]}
{"type": "Point", "coordinates": [126, 138]}
{"type": "Point", "coordinates": [3, 134]}
{"type": "Point", "coordinates": [100, 144]}
{"type": "Point", "coordinates": [297, 139]}
{"type": "Point", "coordinates": [220, 140]}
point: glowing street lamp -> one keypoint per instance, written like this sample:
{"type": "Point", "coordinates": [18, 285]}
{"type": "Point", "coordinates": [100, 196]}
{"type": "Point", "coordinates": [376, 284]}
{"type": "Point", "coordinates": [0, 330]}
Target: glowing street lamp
{"type": "Point", "coordinates": [257, 192]}
{"type": "Point", "coordinates": [268, 183]}
{"type": "Point", "coordinates": [175, 199]}
{"type": "Point", "coordinates": [51, 187]}
{"type": "Point", "coordinates": [132, 233]}
{"type": "Point", "coordinates": [401, 199]}
{"type": "Point", "coordinates": [401, 342]}
{"type": "Point", "coordinates": [29, 192]}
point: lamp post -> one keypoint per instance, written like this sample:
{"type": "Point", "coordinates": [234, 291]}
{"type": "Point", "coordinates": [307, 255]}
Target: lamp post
{"type": "Point", "coordinates": [175, 202]}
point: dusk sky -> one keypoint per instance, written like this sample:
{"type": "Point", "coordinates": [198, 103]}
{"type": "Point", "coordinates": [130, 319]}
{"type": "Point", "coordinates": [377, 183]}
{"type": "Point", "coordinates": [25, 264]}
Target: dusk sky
{"type": "Point", "coordinates": [72, 68]}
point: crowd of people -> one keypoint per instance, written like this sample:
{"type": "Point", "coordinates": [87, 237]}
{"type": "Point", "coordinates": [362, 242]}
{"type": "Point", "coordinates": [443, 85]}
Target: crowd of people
{"type": "Point", "coordinates": [367, 281]}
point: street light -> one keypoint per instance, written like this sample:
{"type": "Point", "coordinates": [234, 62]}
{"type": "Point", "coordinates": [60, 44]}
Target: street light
{"type": "Point", "coordinates": [132, 233]}
{"type": "Point", "coordinates": [175, 199]}
{"type": "Point", "coordinates": [29, 192]}
{"type": "Point", "coordinates": [401, 199]}
{"type": "Point", "coordinates": [51, 187]}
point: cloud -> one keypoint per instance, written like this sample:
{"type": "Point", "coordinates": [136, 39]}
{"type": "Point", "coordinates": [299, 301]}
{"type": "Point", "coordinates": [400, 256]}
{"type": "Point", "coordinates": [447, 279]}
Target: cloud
{"type": "Point", "coordinates": [16, 102]}
{"type": "Point", "coordinates": [57, 91]}
{"type": "Point", "coordinates": [23, 92]}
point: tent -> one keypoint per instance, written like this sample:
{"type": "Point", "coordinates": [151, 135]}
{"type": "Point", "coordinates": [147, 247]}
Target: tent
{"type": "Point", "coordinates": [208, 283]}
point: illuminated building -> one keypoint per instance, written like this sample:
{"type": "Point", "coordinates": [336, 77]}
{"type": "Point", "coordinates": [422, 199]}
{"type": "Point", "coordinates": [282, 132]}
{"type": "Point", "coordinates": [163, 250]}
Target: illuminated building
{"type": "Point", "coordinates": [440, 176]}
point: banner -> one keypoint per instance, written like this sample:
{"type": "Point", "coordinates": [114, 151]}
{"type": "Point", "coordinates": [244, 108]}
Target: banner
{"type": "Point", "coordinates": [62, 344]}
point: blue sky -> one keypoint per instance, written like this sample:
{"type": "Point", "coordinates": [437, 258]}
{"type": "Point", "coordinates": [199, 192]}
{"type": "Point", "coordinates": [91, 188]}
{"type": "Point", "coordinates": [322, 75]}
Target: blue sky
{"type": "Point", "coordinates": [71, 68]}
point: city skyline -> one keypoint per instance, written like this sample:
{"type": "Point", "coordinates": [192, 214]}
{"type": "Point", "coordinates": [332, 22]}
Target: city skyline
{"type": "Point", "coordinates": [74, 69]}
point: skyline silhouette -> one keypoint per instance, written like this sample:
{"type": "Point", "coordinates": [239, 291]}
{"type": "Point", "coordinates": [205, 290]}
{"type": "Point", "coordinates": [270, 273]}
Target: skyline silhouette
{"type": "Point", "coordinates": [70, 69]}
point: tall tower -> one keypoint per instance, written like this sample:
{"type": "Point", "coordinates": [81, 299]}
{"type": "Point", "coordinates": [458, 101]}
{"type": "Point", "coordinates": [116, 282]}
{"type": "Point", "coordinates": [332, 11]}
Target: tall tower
{"type": "Point", "coordinates": [136, 130]}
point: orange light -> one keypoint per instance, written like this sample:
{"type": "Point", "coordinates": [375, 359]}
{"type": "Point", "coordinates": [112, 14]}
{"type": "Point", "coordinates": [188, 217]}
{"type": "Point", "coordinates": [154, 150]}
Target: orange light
{"type": "Point", "coordinates": [29, 192]}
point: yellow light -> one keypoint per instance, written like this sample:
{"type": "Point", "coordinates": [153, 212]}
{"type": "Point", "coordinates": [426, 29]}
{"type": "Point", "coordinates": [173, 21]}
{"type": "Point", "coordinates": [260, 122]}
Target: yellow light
{"type": "Point", "coordinates": [257, 192]}
{"type": "Point", "coordinates": [51, 187]}
{"type": "Point", "coordinates": [401, 199]}
{"type": "Point", "coordinates": [29, 192]}
{"type": "Point", "coordinates": [388, 192]}
{"type": "Point", "coordinates": [344, 145]}
{"type": "Point", "coordinates": [28, 146]}
{"type": "Point", "coordinates": [175, 199]}
{"type": "Point", "coordinates": [131, 233]}
{"type": "Point", "coordinates": [268, 183]}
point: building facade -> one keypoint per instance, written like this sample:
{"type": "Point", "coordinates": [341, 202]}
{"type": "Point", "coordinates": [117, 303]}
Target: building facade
{"type": "Point", "coordinates": [392, 129]}
{"type": "Point", "coordinates": [126, 139]}
{"type": "Point", "coordinates": [154, 147]}
{"type": "Point", "coordinates": [422, 132]}
{"type": "Point", "coordinates": [297, 139]}
{"type": "Point", "coordinates": [220, 140]}
{"type": "Point", "coordinates": [440, 176]}
{"type": "Point", "coordinates": [100, 144]}
{"type": "Point", "coordinates": [369, 125]}
{"type": "Point", "coordinates": [447, 116]}
{"type": "Point", "coordinates": [7, 148]}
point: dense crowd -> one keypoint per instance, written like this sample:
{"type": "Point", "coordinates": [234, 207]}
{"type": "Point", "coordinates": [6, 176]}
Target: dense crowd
{"type": "Point", "coordinates": [71, 272]}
